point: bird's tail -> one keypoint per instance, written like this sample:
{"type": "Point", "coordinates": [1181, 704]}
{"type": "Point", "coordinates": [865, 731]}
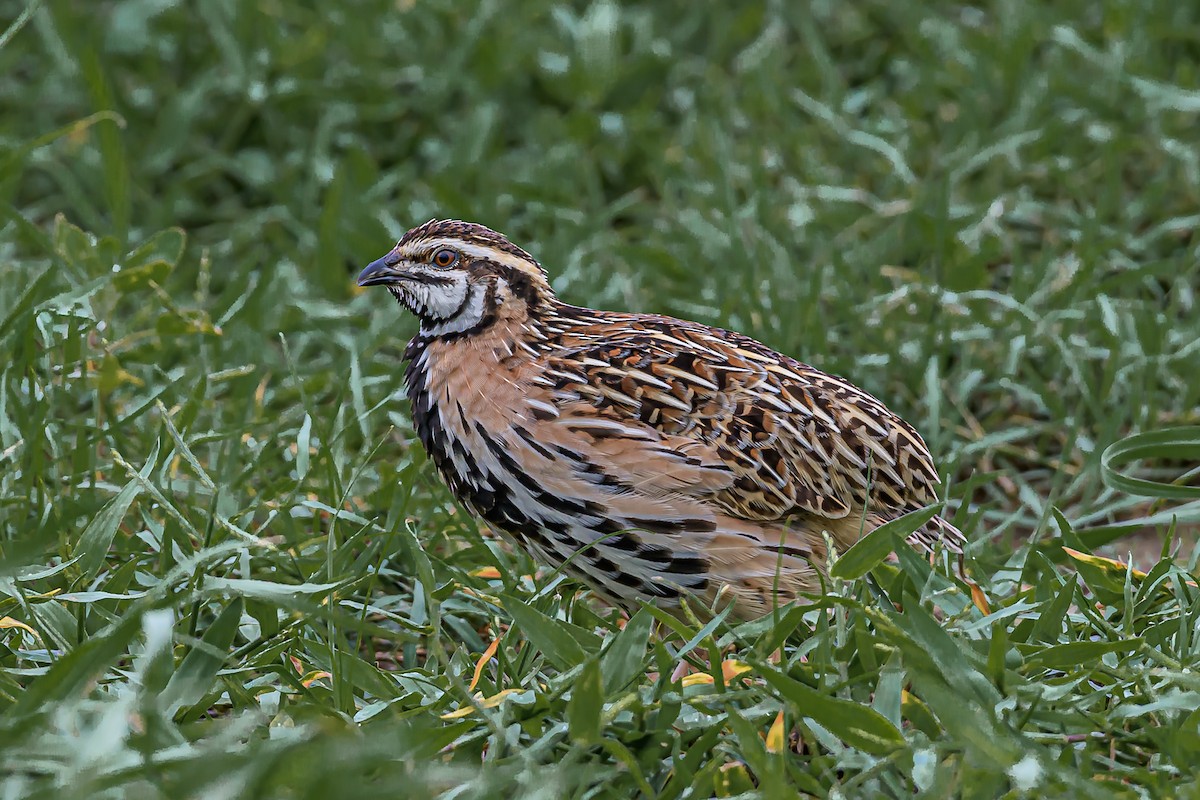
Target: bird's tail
{"type": "Point", "coordinates": [938, 532]}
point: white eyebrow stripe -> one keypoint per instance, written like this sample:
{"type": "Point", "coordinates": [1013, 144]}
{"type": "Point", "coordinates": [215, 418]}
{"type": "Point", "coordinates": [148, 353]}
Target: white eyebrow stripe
{"type": "Point", "coordinates": [476, 251]}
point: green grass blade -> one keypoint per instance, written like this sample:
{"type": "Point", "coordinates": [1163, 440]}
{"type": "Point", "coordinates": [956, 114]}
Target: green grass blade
{"type": "Point", "coordinates": [1169, 443]}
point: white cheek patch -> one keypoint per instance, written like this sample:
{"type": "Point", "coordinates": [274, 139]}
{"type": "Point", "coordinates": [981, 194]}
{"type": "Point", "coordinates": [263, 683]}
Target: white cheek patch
{"type": "Point", "coordinates": [433, 301]}
{"type": "Point", "coordinates": [443, 301]}
{"type": "Point", "coordinates": [469, 314]}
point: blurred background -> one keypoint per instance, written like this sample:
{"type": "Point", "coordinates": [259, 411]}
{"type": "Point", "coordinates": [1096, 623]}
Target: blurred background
{"type": "Point", "coordinates": [983, 214]}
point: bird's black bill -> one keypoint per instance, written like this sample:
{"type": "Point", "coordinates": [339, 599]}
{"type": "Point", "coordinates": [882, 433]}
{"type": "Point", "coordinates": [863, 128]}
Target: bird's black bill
{"type": "Point", "coordinates": [378, 273]}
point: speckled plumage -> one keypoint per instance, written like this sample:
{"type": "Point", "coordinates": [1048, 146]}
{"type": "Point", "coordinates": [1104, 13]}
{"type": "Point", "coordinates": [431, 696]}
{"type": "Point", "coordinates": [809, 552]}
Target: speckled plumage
{"type": "Point", "coordinates": [660, 456]}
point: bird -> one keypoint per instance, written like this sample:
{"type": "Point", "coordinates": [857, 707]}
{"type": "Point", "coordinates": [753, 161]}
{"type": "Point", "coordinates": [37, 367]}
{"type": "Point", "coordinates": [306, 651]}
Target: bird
{"type": "Point", "coordinates": [653, 459]}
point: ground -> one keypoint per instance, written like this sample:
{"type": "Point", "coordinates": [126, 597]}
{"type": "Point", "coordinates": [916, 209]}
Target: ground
{"type": "Point", "coordinates": [228, 569]}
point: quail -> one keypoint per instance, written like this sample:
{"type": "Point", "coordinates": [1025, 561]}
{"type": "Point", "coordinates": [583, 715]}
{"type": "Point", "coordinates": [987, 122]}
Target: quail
{"type": "Point", "coordinates": [652, 458]}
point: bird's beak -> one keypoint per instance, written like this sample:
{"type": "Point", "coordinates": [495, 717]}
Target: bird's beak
{"type": "Point", "coordinates": [379, 272]}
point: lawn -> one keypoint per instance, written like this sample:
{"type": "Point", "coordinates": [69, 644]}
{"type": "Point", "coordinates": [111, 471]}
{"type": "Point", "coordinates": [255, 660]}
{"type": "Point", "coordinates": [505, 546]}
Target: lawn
{"type": "Point", "coordinates": [228, 570]}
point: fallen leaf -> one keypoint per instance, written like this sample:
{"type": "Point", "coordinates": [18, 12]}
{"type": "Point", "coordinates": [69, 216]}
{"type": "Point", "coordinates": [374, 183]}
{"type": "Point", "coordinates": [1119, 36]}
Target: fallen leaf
{"type": "Point", "coordinates": [484, 659]}
{"type": "Point", "coordinates": [731, 668]}
{"type": "Point", "coordinates": [775, 736]}
{"type": "Point", "coordinates": [484, 702]}
{"type": "Point", "coordinates": [979, 598]}
{"type": "Point", "coordinates": [9, 622]}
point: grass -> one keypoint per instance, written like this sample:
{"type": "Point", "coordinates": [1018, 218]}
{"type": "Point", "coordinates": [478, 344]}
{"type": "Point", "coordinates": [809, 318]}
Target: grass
{"type": "Point", "coordinates": [228, 570]}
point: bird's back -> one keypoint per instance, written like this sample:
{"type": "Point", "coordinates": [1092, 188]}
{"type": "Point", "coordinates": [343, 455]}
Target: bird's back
{"type": "Point", "coordinates": [657, 457]}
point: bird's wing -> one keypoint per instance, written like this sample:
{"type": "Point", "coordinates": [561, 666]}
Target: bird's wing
{"type": "Point", "coordinates": [675, 407]}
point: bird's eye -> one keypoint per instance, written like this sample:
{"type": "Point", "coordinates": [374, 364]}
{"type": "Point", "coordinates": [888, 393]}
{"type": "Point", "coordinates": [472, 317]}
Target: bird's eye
{"type": "Point", "coordinates": [444, 258]}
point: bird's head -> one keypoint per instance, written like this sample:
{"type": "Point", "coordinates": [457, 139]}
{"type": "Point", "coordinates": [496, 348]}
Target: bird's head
{"type": "Point", "coordinates": [459, 277]}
